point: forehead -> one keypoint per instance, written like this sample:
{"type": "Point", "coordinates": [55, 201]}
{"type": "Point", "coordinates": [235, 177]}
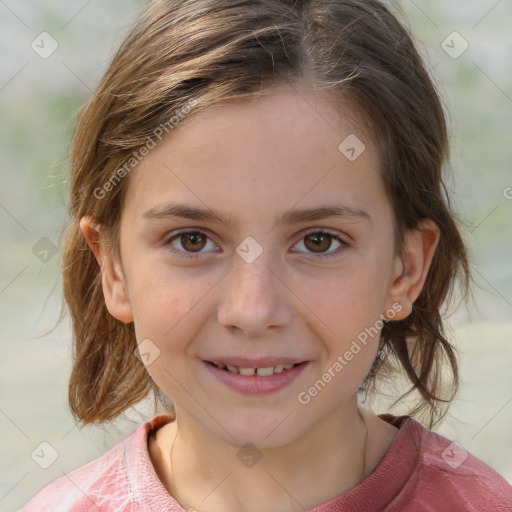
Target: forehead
{"type": "Point", "coordinates": [289, 145]}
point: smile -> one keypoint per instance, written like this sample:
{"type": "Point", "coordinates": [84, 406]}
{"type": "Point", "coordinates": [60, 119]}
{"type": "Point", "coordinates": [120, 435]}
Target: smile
{"type": "Point", "coordinates": [256, 380]}
{"type": "Point", "coordinates": [269, 370]}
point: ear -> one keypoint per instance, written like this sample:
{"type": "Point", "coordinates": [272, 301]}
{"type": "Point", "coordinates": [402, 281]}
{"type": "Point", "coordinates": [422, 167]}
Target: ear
{"type": "Point", "coordinates": [412, 267]}
{"type": "Point", "coordinates": [113, 281]}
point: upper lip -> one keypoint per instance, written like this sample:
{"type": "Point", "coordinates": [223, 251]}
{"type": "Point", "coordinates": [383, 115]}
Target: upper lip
{"type": "Point", "coordinates": [259, 362]}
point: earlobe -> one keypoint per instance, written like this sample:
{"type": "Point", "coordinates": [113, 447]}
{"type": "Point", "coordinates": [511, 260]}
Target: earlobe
{"type": "Point", "coordinates": [115, 292]}
{"type": "Point", "coordinates": [112, 277]}
{"type": "Point", "coordinates": [419, 249]}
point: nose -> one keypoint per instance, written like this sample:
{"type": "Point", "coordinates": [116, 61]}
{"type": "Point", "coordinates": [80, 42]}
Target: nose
{"type": "Point", "coordinates": [254, 299]}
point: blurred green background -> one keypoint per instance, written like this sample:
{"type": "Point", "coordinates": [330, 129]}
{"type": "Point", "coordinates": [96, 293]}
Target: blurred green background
{"type": "Point", "coordinates": [38, 99]}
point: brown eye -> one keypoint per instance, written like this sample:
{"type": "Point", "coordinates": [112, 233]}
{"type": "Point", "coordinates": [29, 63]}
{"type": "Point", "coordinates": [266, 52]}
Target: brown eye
{"type": "Point", "coordinates": [193, 241]}
{"type": "Point", "coordinates": [318, 242]}
{"type": "Point", "coordinates": [189, 244]}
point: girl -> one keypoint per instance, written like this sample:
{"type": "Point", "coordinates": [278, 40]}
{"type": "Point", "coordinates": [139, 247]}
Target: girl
{"type": "Point", "coordinates": [259, 230]}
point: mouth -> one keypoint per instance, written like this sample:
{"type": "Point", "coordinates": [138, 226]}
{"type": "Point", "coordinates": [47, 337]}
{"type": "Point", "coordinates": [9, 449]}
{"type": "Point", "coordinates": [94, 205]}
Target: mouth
{"type": "Point", "coordinates": [262, 371]}
{"type": "Point", "coordinates": [256, 376]}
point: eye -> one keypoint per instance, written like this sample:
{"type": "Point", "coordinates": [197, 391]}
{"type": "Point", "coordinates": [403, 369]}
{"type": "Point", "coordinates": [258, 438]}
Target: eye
{"type": "Point", "coordinates": [319, 241]}
{"type": "Point", "coordinates": [191, 242]}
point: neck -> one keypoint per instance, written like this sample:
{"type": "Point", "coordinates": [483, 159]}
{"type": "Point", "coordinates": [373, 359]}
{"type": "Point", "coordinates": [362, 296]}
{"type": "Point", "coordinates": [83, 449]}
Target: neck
{"type": "Point", "coordinates": [203, 472]}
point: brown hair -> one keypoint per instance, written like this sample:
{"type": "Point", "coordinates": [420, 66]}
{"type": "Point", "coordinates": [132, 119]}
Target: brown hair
{"type": "Point", "coordinates": [208, 51]}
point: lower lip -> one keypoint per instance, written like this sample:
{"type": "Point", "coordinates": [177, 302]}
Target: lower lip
{"type": "Point", "coordinates": [256, 384]}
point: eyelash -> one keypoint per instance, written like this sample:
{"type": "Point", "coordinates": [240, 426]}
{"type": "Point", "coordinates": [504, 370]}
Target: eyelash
{"type": "Point", "coordinates": [193, 256]}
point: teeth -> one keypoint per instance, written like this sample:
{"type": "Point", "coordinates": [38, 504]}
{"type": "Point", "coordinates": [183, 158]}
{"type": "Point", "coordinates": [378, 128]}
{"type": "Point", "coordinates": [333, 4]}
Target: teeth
{"type": "Point", "coordinates": [247, 371]}
{"type": "Point", "coordinates": [264, 372]}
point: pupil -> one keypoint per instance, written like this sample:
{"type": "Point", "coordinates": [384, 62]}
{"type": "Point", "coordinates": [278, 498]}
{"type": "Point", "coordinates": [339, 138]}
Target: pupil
{"type": "Point", "coordinates": [193, 237]}
{"type": "Point", "coordinates": [321, 241]}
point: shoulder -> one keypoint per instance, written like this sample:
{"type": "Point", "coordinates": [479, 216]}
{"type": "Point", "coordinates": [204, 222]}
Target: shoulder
{"type": "Point", "coordinates": [102, 484]}
{"type": "Point", "coordinates": [77, 491]}
{"type": "Point", "coordinates": [447, 477]}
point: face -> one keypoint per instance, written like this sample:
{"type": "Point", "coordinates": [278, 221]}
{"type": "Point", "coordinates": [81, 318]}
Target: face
{"type": "Point", "coordinates": [262, 282]}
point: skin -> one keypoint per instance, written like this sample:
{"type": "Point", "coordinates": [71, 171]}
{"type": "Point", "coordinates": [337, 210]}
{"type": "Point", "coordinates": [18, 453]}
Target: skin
{"type": "Point", "coordinates": [252, 161]}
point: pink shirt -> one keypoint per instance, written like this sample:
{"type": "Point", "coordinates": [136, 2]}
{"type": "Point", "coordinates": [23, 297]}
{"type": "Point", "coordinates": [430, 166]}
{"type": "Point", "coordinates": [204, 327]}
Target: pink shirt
{"type": "Point", "coordinates": [421, 472]}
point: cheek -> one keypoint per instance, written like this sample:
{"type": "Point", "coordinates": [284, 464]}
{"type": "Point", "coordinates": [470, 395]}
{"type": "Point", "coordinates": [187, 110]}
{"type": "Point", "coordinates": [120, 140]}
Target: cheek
{"type": "Point", "coordinates": [350, 331]}
{"type": "Point", "coordinates": [348, 300]}
{"type": "Point", "coordinates": [167, 305]}
{"type": "Point", "coordinates": [169, 311]}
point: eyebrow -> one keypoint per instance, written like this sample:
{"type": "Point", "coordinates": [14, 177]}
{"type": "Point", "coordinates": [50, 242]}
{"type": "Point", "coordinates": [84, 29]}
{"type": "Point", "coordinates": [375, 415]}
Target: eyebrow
{"type": "Point", "coordinates": [185, 211]}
